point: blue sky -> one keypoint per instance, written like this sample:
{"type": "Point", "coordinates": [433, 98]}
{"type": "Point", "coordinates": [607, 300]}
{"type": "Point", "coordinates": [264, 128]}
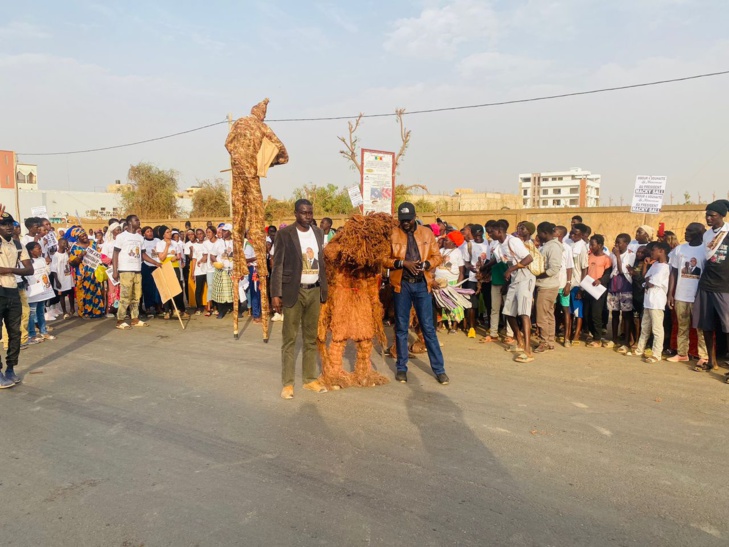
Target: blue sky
{"type": "Point", "coordinates": [79, 75]}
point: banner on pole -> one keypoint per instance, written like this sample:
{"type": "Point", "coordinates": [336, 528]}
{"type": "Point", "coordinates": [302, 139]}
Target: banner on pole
{"type": "Point", "coordinates": [378, 181]}
{"type": "Point", "coordinates": [648, 194]}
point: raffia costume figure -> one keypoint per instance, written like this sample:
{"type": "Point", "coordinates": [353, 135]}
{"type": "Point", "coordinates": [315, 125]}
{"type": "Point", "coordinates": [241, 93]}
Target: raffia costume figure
{"type": "Point", "coordinates": [253, 148]}
{"type": "Point", "coordinates": [353, 311]}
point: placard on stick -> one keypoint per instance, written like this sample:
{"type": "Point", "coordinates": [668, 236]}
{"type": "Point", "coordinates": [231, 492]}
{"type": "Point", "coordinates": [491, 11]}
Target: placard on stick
{"type": "Point", "coordinates": [166, 281]}
{"type": "Point", "coordinates": [648, 194]}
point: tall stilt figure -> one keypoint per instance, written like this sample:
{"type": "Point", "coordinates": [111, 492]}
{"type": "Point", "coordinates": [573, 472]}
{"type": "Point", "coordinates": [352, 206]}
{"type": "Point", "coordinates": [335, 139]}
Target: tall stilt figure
{"type": "Point", "coordinates": [253, 148]}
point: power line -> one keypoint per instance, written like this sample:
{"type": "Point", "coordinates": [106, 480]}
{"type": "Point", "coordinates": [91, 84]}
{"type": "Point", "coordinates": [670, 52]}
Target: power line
{"type": "Point", "coordinates": [410, 113]}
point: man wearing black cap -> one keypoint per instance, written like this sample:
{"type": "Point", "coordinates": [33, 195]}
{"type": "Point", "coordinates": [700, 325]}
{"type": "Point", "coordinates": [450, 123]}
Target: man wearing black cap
{"type": "Point", "coordinates": [414, 255]}
{"type": "Point", "coordinates": [712, 299]}
{"type": "Point", "coordinates": [12, 262]}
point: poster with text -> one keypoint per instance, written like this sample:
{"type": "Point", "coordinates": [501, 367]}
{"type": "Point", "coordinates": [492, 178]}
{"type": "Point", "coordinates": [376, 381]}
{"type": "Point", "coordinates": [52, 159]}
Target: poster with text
{"type": "Point", "coordinates": [355, 196]}
{"type": "Point", "coordinates": [378, 181]}
{"type": "Point", "coordinates": [648, 194]}
{"type": "Point", "coordinates": [92, 258]}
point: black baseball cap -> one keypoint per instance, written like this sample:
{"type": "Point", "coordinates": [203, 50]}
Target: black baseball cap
{"type": "Point", "coordinates": [6, 218]}
{"type": "Point", "coordinates": [406, 211]}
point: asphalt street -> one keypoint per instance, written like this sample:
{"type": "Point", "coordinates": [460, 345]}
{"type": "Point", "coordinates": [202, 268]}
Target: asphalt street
{"type": "Point", "coordinates": [162, 437]}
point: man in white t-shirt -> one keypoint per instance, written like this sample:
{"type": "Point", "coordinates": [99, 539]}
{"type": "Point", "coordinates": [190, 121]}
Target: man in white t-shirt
{"type": "Point", "coordinates": [687, 262]}
{"type": "Point", "coordinates": [299, 284]}
{"type": "Point", "coordinates": [520, 295]}
{"type": "Point", "coordinates": [127, 264]}
{"type": "Point", "coordinates": [479, 253]}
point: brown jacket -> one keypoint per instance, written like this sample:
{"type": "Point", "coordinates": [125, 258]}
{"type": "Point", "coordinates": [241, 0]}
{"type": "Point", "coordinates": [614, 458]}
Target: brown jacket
{"type": "Point", "coordinates": [427, 245]}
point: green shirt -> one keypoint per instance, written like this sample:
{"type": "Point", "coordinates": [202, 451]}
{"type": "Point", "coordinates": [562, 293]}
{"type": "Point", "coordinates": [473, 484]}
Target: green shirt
{"type": "Point", "coordinates": [497, 273]}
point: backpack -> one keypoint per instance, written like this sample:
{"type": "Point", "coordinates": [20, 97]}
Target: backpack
{"type": "Point", "coordinates": [537, 266]}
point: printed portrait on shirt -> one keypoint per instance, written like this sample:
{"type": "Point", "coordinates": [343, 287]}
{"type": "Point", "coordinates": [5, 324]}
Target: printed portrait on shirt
{"type": "Point", "coordinates": [309, 262]}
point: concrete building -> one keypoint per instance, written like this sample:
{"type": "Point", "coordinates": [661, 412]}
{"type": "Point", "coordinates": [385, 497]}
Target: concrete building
{"type": "Point", "coordinates": [26, 176]}
{"type": "Point", "coordinates": [573, 188]}
{"type": "Point", "coordinates": [7, 169]}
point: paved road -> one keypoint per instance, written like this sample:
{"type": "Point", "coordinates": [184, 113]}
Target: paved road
{"type": "Point", "coordinates": [163, 437]}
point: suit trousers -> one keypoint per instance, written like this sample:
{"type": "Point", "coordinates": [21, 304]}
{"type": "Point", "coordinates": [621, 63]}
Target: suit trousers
{"type": "Point", "coordinates": [303, 315]}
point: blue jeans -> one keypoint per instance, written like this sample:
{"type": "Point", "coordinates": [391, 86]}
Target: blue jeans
{"type": "Point", "coordinates": [416, 295]}
{"type": "Point", "coordinates": [37, 314]}
{"type": "Point", "coordinates": [255, 292]}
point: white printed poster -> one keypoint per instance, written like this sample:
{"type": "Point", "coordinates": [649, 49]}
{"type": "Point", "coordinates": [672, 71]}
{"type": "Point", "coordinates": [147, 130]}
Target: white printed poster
{"type": "Point", "coordinates": [92, 258]}
{"type": "Point", "coordinates": [39, 211]}
{"type": "Point", "coordinates": [355, 196]}
{"type": "Point", "coordinates": [648, 194]}
{"type": "Point", "coordinates": [378, 181]}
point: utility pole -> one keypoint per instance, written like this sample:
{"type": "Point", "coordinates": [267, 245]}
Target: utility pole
{"type": "Point", "coordinates": [671, 198]}
{"type": "Point", "coordinates": [18, 218]}
{"type": "Point", "coordinates": [621, 200]}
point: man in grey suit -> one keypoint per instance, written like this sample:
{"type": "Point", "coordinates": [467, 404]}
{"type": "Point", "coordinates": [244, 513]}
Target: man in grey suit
{"type": "Point", "coordinates": [299, 286]}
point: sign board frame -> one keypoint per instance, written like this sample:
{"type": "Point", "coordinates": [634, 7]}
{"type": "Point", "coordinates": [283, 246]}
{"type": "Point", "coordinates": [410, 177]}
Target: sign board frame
{"type": "Point", "coordinates": [365, 153]}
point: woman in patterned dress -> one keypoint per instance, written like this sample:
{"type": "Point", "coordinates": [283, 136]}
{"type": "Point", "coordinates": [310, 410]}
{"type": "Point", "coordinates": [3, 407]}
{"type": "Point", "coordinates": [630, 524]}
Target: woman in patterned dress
{"type": "Point", "coordinates": [89, 290]}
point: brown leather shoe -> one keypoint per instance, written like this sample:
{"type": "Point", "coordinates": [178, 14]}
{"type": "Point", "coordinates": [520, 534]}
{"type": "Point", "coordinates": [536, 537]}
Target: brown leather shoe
{"type": "Point", "coordinates": [316, 387]}
{"type": "Point", "coordinates": [287, 392]}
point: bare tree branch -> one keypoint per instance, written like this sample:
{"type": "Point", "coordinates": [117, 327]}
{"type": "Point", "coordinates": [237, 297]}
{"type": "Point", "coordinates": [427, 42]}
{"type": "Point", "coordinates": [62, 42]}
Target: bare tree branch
{"type": "Point", "coordinates": [404, 135]}
{"type": "Point", "coordinates": [351, 143]}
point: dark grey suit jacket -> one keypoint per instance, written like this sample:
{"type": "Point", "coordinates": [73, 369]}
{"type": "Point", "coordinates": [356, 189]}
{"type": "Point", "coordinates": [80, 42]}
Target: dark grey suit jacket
{"type": "Point", "coordinates": [286, 268]}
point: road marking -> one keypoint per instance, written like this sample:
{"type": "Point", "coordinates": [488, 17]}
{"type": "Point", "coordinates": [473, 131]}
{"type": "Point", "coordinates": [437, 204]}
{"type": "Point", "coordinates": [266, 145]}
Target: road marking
{"type": "Point", "coordinates": [602, 430]}
{"type": "Point", "coordinates": [708, 528]}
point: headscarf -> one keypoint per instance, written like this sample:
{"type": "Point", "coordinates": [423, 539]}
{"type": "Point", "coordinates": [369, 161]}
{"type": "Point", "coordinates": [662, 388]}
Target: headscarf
{"type": "Point", "coordinates": [110, 232]}
{"type": "Point", "coordinates": [720, 206]}
{"type": "Point", "coordinates": [456, 237]}
{"type": "Point", "coordinates": [529, 226]}
{"type": "Point", "coordinates": [648, 230]}
{"type": "Point", "coordinates": [73, 233]}
{"type": "Point", "coordinates": [435, 228]}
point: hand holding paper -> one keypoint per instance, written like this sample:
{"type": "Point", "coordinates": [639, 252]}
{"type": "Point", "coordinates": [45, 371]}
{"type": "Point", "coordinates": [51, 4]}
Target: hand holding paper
{"type": "Point", "coordinates": [596, 291]}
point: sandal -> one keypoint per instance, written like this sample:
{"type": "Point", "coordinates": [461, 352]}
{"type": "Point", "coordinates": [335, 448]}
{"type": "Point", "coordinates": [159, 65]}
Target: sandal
{"type": "Point", "coordinates": [593, 344]}
{"type": "Point", "coordinates": [541, 348]}
{"type": "Point", "coordinates": [139, 323]}
{"type": "Point", "coordinates": [576, 342]}
{"type": "Point", "coordinates": [623, 350]}
{"type": "Point", "coordinates": [651, 360]}
{"type": "Point", "coordinates": [703, 367]}
{"type": "Point", "coordinates": [123, 326]}
{"type": "Point", "coordinates": [523, 358]}
{"type": "Point", "coordinates": [487, 339]}
{"type": "Point", "coordinates": [509, 340]}
{"type": "Point", "coordinates": [208, 313]}
{"type": "Point", "coordinates": [513, 348]}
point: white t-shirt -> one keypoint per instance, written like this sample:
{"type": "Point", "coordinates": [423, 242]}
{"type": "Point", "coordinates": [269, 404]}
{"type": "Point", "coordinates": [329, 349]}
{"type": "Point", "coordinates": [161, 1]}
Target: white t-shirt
{"type": "Point", "coordinates": [41, 276]}
{"type": "Point", "coordinates": [450, 267]}
{"type": "Point", "coordinates": [209, 249]}
{"type": "Point", "coordinates": [62, 269]}
{"type": "Point", "coordinates": [480, 251]}
{"type": "Point", "coordinates": [171, 252]}
{"type": "Point", "coordinates": [579, 259]}
{"type": "Point", "coordinates": [149, 246]}
{"type": "Point", "coordinates": [626, 259]}
{"type": "Point", "coordinates": [513, 251]}
{"type": "Point", "coordinates": [309, 257]}
{"type": "Point", "coordinates": [657, 296]}
{"type": "Point", "coordinates": [130, 252]}
{"type": "Point", "coordinates": [567, 264]}
{"type": "Point", "coordinates": [689, 261]}
{"type": "Point", "coordinates": [198, 251]}
{"type": "Point", "coordinates": [108, 248]}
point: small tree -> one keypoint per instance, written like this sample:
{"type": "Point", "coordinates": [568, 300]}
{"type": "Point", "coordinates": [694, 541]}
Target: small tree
{"type": "Point", "coordinates": [276, 209]}
{"type": "Point", "coordinates": [211, 200]}
{"type": "Point", "coordinates": [687, 198]}
{"type": "Point", "coordinates": [327, 200]}
{"type": "Point", "coordinates": [152, 192]}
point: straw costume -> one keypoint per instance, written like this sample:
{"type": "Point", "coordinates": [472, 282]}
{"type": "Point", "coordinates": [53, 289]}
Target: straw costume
{"type": "Point", "coordinates": [249, 141]}
{"type": "Point", "coordinates": [353, 311]}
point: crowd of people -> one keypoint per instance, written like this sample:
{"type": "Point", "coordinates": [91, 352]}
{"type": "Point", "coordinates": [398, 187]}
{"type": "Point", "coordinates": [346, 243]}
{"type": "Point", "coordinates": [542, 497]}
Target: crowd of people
{"type": "Point", "coordinates": [528, 287]}
{"type": "Point", "coordinates": [536, 286]}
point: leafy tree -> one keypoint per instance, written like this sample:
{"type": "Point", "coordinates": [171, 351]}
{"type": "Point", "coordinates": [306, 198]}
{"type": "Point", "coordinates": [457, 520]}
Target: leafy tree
{"type": "Point", "coordinates": [212, 200]}
{"type": "Point", "coordinates": [152, 192]}
{"type": "Point", "coordinates": [277, 209]}
{"type": "Point", "coordinates": [327, 200]}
